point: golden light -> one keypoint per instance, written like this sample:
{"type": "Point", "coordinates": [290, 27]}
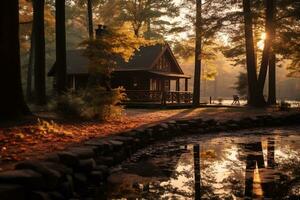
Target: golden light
{"type": "Point", "coordinates": [261, 42]}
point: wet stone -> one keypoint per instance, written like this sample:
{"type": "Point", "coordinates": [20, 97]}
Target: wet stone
{"type": "Point", "coordinates": [83, 152]}
{"type": "Point", "coordinates": [96, 176]}
{"type": "Point", "coordinates": [56, 196]}
{"type": "Point", "coordinates": [108, 161]}
{"type": "Point", "coordinates": [68, 158]}
{"type": "Point", "coordinates": [62, 169]}
{"type": "Point", "coordinates": [51, 176]}
{"type": "Point", "coordinates": [125, 139]}
{"type": "Point", "coordinates": [80, 182]}
{"type": "Point", "coordinates": [25, 177]}
{"type": "Point", "coordinates": [38, 195]}
{"type": "Point", "coordinates": [87, 165]}
{"type": "Point", "coordinates": [52, 158]}
{"type": "Point", "coordinates": [116, 145]}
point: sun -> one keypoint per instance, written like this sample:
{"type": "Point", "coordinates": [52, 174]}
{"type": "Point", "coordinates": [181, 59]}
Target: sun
{"type": "Point", "coordinates": [261, 42]}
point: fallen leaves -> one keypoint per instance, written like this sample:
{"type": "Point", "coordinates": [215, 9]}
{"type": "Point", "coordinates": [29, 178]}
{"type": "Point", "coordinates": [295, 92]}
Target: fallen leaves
{"type": "Point", "coordinates": [34, 141]}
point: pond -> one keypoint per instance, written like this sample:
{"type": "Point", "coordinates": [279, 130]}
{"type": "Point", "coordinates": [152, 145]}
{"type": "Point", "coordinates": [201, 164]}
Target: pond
{"type": "Point", "coordinates": [252, 164]}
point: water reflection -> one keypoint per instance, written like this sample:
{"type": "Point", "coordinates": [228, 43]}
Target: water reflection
{"type": "Point", "coordinates": [225, 166]}
{"type": "Point", "coordinates": [197, 174]}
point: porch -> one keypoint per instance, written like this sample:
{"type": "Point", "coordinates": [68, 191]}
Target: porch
{"type": "Point", "coordinates": [148, 97]}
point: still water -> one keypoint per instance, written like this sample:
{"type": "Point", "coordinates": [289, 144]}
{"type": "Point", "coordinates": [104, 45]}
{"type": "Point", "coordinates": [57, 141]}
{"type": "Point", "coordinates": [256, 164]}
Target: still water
{"type": "Point", "coordinates": [253, 164]}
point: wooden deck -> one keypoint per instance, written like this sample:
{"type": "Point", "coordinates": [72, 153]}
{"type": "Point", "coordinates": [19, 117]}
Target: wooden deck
{"type": "Point", "coordinates": [146, 98]}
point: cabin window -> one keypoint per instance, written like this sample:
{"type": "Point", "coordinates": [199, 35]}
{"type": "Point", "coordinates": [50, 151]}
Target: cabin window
{"type": "Point", "coordinates": [153, 84]}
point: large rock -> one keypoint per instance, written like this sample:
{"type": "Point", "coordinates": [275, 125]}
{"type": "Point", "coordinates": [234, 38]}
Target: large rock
{"type": "Point", "coordinates": [66, 188]}
{"type": "Point", "coordinates": [83, 152]}
{"type": "Point", "coordinates": [39, 195]}
{"type": "Point", "coordinates": [68, 158]}
{"type": "Point", "coordinates": [62, 169]}
{"type": "Point", "coordinates": [26, 177]}
{"type": "Point", "coordinates": [101, 146]}
{"type": "Point", "coordinates": [12, 192]}
{"type": "Point", "coordinates": [51, 176]}
{"type": "Point", "coordinates": [87, 165]}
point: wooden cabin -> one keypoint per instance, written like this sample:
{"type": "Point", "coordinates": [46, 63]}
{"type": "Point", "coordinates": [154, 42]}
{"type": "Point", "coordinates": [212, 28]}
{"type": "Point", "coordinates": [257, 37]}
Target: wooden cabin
{"type": "Point", "coordinates": [147, 76]}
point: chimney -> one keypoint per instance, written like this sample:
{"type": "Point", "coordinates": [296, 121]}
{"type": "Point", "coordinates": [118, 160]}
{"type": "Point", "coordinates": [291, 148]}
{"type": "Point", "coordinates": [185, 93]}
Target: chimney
{"type": "Point", "coordinates": [100, 31]}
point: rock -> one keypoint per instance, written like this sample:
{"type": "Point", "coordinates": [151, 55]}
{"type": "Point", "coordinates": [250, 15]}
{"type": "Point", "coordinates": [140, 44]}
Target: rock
{"type": "Point", "coordinates": [62, 169]}
{"type": "Point", "coordinates": [104, 169]}
{"type": "Point", "coordinates": [210, 122]}
{"type": "Point", "coordinates": [83, 152]}
{"type": "Point", "coordinates": [51, 176]}
{"type": "Point", "coordinates": [87, 165]}
{"type": "Point", "coordinates": [96, 177]}
{"type": "Point", "coordinates": [80, 183]}
{"type": "Point", "coordinates": [105, 160]}
{"type": "Point", "coordinates": [127, 140]}
{"type": "Point", "coordinates": [101, 146]}
{"type": "Point", "coordinates": [68, 158]}
{"type": "Point", "coordinates": [38, 195]}
{"type": "Point", "coordinates": [115, 145]}
{"type": "Point", "coordinates": [163, 125]}
{"type": "Point", "coordinates": [12, 192]}
{"type": "Point", "coordinates": [52, 158]}
{"type": "Point", "coordinates": [66, 188]}
{"type": "Point", "coordinates": [25, 177]}
{"type": "Point", "coordinates": [193, 123]}
{"type": "Point", "coordinates": [56, 196]}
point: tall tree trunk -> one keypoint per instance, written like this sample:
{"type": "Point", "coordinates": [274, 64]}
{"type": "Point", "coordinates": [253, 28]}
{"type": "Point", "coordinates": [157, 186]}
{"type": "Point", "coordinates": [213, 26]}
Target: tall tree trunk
{"type": "Point", "coordinates": [250, 54]}
{"type": "Point", "coordinates": [198, 46]}
{"type": "Point", "coordinates": [61, 63]}
{"type": "Point", "coordinates": [29, 68]}
{"type": "Point", "coordinates": [90, 18]}
{"type": "Point", "coordinates": [12, 104]}
{"type": "Point", "coordinates": [272, 80]}
{"type": "Point", "coordinates": [272, 60]}
{"type": "Point", "coordinates": [269, 30]}
{"type": "Point", "coordinates": [39, 57]}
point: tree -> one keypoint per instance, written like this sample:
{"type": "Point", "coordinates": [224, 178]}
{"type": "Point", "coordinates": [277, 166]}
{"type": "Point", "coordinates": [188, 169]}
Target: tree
{"type": "Point", "coordinates": [61, 63]}
{"type": "Point", "coordinates": [30, 68]}
{"type": "Point", "coordinates": [270, 34]}
{"type": "Point", "coordinates": [198, 43]}
{"type": "Point", "coordinates": [39, 51]}
{"type": "Point", "coordinates": [90, 18]}
{"type": "Point", "coordinates": [241, 85]}
{"type": "Point", "coordinates": [250, 54]}
{"type": "Point", "coordinates": [12, 104]}
{"type": "Point", "coordinates": [148, 16]}
{"type": "Point", "coordinates": [282, 28]}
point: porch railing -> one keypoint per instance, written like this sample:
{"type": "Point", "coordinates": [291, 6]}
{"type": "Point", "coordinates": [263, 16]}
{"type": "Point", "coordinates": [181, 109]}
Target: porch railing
{"type": "Point", "coordinates": [167, 97]}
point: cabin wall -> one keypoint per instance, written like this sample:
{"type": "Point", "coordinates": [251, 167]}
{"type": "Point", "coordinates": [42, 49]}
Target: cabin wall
{"type": "Point", "coordinates": [130, 81]}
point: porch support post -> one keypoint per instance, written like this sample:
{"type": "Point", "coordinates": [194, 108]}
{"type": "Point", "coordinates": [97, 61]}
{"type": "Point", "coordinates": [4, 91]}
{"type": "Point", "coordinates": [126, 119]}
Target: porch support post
{"type": "Point", "coordinates": [186, 85]}
{"type": "Point", "coordinates": [186, 89]}
{"type": "Point", "coordinates": [163, 90]}
{"type": "Point", "coordinates": [177, 85]}
{"type": "Point", "coordinates": [73, 82]}
{"type": "Point", "coordinates": [178, 90]}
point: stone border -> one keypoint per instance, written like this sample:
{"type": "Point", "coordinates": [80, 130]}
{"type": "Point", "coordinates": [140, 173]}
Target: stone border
{"type": "Point", "coordinates": [81, 172]}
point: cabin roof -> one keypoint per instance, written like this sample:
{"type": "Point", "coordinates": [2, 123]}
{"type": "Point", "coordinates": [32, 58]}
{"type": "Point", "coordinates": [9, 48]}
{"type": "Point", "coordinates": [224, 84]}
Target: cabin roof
{"type": "Point", "coordinates": [143, 59]}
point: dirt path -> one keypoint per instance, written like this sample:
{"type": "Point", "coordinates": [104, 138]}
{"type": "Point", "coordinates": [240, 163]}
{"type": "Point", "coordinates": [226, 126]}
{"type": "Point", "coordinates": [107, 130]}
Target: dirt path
{"type": "Point", "coordinates": [34, 141]}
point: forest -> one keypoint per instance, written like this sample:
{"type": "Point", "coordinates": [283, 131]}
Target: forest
{"type": "Point", "coordinates": [114, 76]}
{"type": "Point", "coordinates": [233, 28]}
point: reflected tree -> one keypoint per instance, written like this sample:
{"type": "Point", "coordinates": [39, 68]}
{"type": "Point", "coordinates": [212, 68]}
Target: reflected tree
{"type": "Point", "coordinates": [197, 173]}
